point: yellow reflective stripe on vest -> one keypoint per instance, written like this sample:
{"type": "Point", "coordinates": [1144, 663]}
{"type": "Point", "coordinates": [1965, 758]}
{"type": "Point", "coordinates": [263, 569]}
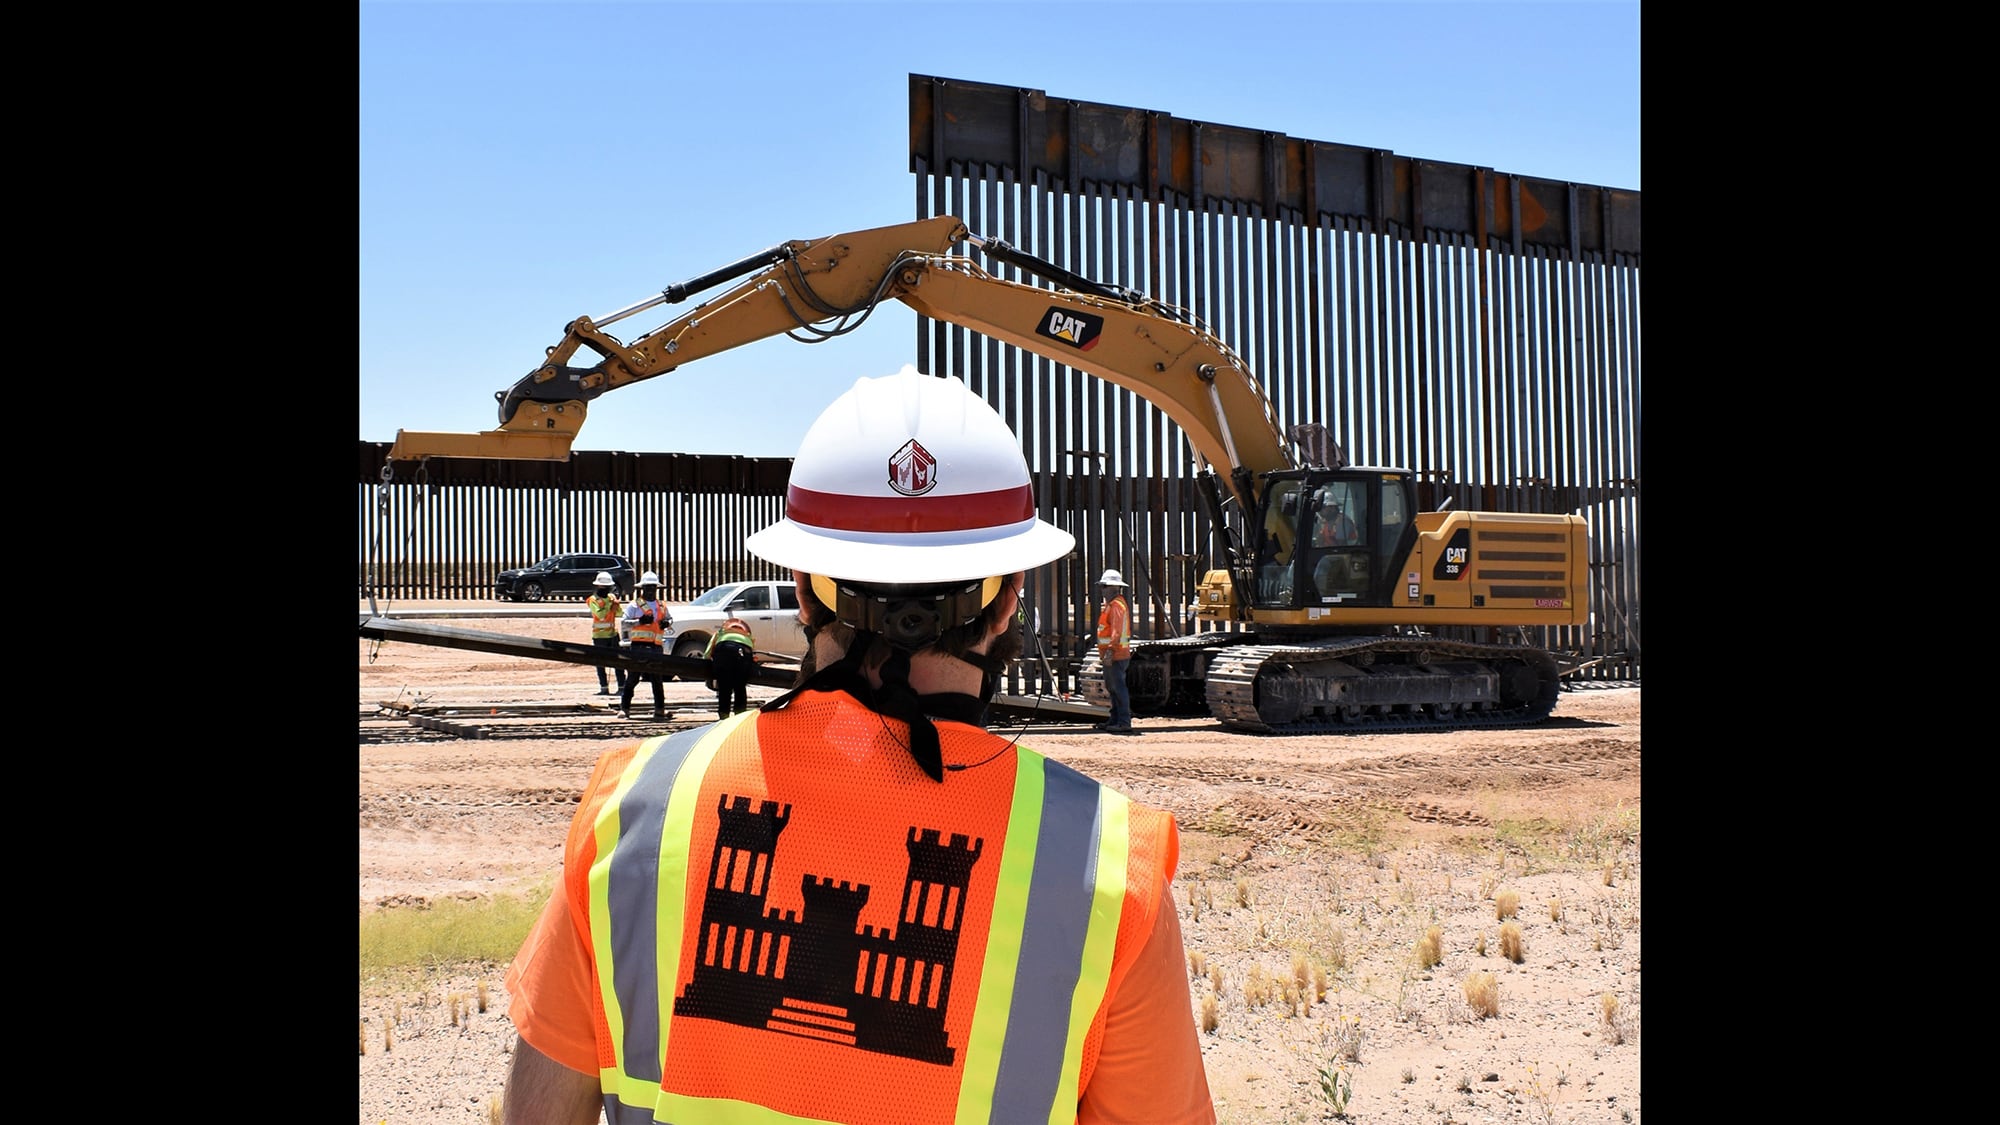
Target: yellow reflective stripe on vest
{"type": "Point", "coordinates": [603, 617]}
{"type": "Point", "coordinates": [1112, 853]}
{"type": "Point", "coordinates": [653, 633]}
{"type": "Point", "coordinates": [641, 844]}
{"type": "Point", "coordinates": [1058, 899]}
{"type": "Point", "coordinates": [986, 1040]}
{"type": "Point", "coordinates": [1057, 909]}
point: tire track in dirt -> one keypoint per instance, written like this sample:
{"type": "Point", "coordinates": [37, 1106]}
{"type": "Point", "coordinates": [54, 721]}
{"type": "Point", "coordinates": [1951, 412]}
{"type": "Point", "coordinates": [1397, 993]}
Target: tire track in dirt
{"type": "Point", "coordinates": [460, 798]}
{"type": "Point", "coordinates": [512, 793]}
{"type": "Point", "coordinates": [1322, 800]}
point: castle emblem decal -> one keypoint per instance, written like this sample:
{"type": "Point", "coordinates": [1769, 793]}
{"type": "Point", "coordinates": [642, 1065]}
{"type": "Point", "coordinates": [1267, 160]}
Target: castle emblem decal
{"type": "Point", "coordinates": [822, 975]}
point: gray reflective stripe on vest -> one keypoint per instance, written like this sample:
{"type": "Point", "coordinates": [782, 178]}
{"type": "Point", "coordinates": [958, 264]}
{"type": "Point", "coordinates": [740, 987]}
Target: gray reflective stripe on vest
{"type": "Point", "coordinates": [633, 886]}
{"type": "Point", "coordinates": [1060, 898]}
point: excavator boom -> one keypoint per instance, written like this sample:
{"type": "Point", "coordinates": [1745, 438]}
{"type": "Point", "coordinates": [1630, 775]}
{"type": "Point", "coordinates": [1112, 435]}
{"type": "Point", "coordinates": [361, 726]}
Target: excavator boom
{"type": "Point", "coordinates": [820, 288]}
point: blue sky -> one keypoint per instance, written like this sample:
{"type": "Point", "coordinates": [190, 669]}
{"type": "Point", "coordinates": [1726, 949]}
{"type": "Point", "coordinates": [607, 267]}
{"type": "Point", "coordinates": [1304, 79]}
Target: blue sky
{"type": "Point", "coordinates": [525, 163]}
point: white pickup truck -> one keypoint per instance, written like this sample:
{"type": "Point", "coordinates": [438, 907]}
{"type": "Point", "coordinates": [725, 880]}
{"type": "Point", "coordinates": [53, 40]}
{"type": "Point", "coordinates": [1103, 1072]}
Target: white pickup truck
{"type": "Point", "coordinates": [770, 608]}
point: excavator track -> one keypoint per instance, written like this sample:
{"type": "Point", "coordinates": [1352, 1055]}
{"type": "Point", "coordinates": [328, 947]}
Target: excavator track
{"type": "Point", "coordinates": [1351, 684]}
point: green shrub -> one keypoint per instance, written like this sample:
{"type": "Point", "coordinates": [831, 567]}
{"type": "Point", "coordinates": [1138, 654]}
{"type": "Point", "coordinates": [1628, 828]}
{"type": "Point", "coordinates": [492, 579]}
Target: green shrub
{"type": "Point", "coordinates": [404, 941]}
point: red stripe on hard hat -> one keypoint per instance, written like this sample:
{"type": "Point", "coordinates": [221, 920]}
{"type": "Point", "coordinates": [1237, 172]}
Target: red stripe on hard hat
{"type": "Point", "coordinates": [892, 514]}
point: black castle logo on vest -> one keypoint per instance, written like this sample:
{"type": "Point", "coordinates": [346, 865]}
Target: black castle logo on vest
{"type": "Point", "coordinates": [824, 976]}
{"type": "Point", "coordinates": [1079, 330]}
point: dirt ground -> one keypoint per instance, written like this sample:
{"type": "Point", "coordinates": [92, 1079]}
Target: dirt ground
{"type": "Point", "coordinates": [1331, 860]}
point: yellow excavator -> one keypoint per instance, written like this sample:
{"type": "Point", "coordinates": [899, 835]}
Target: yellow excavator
{"type": "Point", "coordinates": [1334, 586]}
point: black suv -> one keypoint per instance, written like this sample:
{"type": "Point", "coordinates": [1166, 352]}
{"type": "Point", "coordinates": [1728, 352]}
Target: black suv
{"type": "Point", "coordinates": [564, 576]}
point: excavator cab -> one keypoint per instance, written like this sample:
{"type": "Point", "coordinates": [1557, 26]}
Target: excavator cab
{"type": "Point", "coordinates": [1331, 537]}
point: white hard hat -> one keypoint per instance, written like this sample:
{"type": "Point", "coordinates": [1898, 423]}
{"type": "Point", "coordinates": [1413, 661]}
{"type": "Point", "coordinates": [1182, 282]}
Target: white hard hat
{"type": "Point", "coordinates": [1111, 578]}
{"type": "Point", "coordinates": [910, 479]}
{"type": "Point", "coordinates": [649, 579]}
{"type": "Point", "coordinates": [603, 579]}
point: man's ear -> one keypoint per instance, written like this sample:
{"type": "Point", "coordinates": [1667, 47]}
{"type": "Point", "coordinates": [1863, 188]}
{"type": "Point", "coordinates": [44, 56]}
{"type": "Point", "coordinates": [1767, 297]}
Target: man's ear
{"type": "Point", "coordinates": [1006, 602]}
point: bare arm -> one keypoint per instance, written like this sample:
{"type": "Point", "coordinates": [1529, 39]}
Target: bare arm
{"type": "Point", "coordinates": [542, 1091]}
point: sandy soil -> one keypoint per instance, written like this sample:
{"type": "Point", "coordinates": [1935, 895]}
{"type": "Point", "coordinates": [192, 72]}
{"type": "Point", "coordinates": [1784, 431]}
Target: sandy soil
{"type": "Point", "coordinates": [1327, 858]}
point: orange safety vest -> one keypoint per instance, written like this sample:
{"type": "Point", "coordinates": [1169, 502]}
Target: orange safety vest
{"type": "Point", "coordinates": [1114, 629]}
{"type": "Point", "coordinates": [1336, 532]}
{"type": "Point", "coordinates": [650, 634]}
{"type": "Point", "coordinates": [604, 611]}
{"type": "Point", "coordinates": [853, 943]}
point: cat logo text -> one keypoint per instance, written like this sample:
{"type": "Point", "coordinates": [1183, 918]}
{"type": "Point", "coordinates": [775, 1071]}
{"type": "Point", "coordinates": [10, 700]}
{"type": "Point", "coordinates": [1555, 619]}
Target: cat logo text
{"type": "Point", "coordinates": [1079, 330]}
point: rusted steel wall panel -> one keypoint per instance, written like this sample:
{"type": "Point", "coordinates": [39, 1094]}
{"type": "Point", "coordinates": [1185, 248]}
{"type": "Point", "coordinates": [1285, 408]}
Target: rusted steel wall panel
{"type": "Point", "coordinates": [973, 129]}
{"type": "Point", "coordinates": [1475, 326]}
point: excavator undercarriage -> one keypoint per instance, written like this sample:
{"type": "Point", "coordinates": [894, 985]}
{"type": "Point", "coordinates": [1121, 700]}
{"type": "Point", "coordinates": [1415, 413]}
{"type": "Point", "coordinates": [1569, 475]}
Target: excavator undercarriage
{"type": "Point", "coordinates": [1336, 684]}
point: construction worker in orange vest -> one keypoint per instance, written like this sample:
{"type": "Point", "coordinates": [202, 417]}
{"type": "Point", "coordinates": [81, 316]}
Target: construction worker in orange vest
{"type": "Point", "coordinates": [1114, 650]}
{"type": "Point", "coordinates": [855, 903]}
{"type": "Point", "coordinates": [649, 623]}
{"type": "Point", "coordinates": [1334, 529]}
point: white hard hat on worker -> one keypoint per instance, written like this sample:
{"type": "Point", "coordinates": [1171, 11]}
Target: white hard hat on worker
{"type": "Point", "coordinates": [909, 506]}
{"type": "Point", "coordinates": [1111, 578]}
{"type": "Point", "coordinates": [910, 479]}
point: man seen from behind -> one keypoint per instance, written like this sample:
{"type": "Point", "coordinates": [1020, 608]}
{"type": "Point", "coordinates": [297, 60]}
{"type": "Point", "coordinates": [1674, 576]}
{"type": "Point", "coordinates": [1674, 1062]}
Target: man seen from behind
{"type": "Point", "coordinates": [605, 609]}
{"type": "Point", "coordinates": [732, 656]}
{"type": "Point", "coordinates": [855, 903]}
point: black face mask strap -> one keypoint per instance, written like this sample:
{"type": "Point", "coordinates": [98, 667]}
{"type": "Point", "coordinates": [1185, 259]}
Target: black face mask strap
{"type": "Point", "coordinates": [898, 700]}
{"type": "Point", "coordinates": [841, 675]}
{"type": "Point", "coordinates": [990, 667]}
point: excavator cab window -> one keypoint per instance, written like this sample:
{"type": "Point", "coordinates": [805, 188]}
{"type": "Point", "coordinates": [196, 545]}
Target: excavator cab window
{"type": "Point", "coordinates": [1277, 538]}
{"type": "Point", "coordinates": [1395, 520]}
{"type": "Point", "coordinates": [1342, 530]}
{"type": "Point", "coordinates": [1393, 515]}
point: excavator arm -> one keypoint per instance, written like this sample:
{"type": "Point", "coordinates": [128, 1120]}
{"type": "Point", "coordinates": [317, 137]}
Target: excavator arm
{"type": "Point", "coordinates": [814, 290]}
{"type": "Point", "coordinates": [798, 287]}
